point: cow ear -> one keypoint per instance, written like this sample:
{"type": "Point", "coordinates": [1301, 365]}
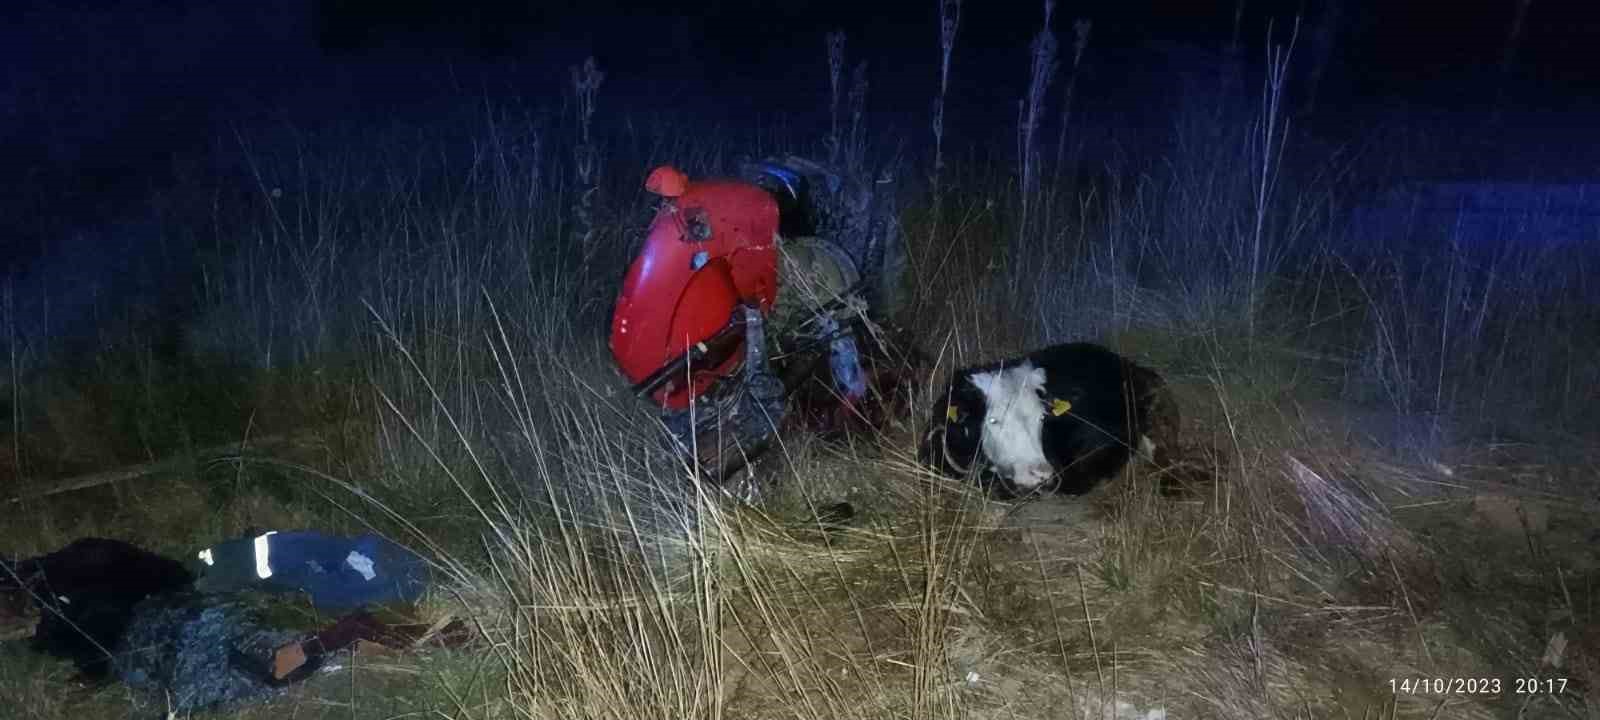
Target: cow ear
{"type": "Point", "coordinates": [1036, 376]}
{"type": "Point", "coordinates": [984, 381]}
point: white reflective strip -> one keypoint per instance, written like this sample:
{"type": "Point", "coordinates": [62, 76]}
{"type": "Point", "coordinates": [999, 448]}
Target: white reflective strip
{"type": "Point", "coordinates": [263, 568]}
{"type": "Point", "coordinates": [206, 557]}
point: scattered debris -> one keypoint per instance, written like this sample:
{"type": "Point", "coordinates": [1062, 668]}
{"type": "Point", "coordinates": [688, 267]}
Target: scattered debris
{"type": "Point", "coordinates": [236, 631]}
{"type": "Point", "coordinates": [85, 595]}
{"type": "Point", "coordinates": [366, 635]}
{"type": "Point", "coordinates": [195, 650]}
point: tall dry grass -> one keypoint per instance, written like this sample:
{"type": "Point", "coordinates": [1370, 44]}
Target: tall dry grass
{"type": "Point", "coordinates": [429, 281]}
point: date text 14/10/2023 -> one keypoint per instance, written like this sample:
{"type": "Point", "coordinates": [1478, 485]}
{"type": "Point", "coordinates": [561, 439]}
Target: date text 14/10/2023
{"type": "Point", "coordinates": [1476, 686]}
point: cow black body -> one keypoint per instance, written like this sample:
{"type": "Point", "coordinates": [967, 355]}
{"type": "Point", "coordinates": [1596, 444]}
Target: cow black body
{"type": "Point", "coordinates": [1114, 403]}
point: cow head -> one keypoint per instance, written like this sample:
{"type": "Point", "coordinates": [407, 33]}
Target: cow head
{"type": "Point", "coordinates": [1013, 417]}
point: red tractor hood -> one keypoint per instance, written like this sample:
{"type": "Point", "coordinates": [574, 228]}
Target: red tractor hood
{"type": "Point", "coordinates": [711, 247]}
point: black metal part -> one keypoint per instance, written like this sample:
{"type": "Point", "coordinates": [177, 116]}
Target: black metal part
{"type": "Point", "coordinates": [859, 217]}
{"type": "Point", "coordinates": [715, 347]}
{"type": "Point", "coordinates": [724, 429]}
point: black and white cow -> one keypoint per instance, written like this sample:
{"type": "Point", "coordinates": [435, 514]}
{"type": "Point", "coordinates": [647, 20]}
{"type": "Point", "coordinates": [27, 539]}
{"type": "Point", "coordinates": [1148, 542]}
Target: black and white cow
{"type": "Point", "coordinates": [1062, 418]}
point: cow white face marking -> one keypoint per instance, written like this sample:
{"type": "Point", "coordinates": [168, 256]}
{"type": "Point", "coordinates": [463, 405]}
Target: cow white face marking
{"type": "Point", "coordinates": [1013, 416]}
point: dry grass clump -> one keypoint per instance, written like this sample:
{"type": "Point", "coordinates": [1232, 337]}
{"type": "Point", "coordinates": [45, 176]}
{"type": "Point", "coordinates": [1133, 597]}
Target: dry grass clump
{"type": "Point", "coordinates": [736, 612]}
{"type": "Point", "coordinates": [1296, 585]}
{"type": "Point", "coordinates": [1289, 588]}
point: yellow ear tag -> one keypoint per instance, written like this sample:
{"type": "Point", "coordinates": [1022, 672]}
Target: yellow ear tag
{"type": "Point", "coordinates": [950, 413]}
{"type": "Point", "coordinates": [1059, 407]}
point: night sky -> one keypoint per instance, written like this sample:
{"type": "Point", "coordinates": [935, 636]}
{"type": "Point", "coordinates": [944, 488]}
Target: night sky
{"type": "Point", "coordinates": [112, 85]}
{"type": "Point", "coordinates": [100, 100]}
{"type": "Point", "coordinates": [1416, 50]}
{"type": "Point", "coordinates": [1387, 48]}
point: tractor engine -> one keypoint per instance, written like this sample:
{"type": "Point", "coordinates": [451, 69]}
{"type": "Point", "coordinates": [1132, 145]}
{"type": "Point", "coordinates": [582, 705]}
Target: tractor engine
{"type": "Point", "coordinates": [788, 261]}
